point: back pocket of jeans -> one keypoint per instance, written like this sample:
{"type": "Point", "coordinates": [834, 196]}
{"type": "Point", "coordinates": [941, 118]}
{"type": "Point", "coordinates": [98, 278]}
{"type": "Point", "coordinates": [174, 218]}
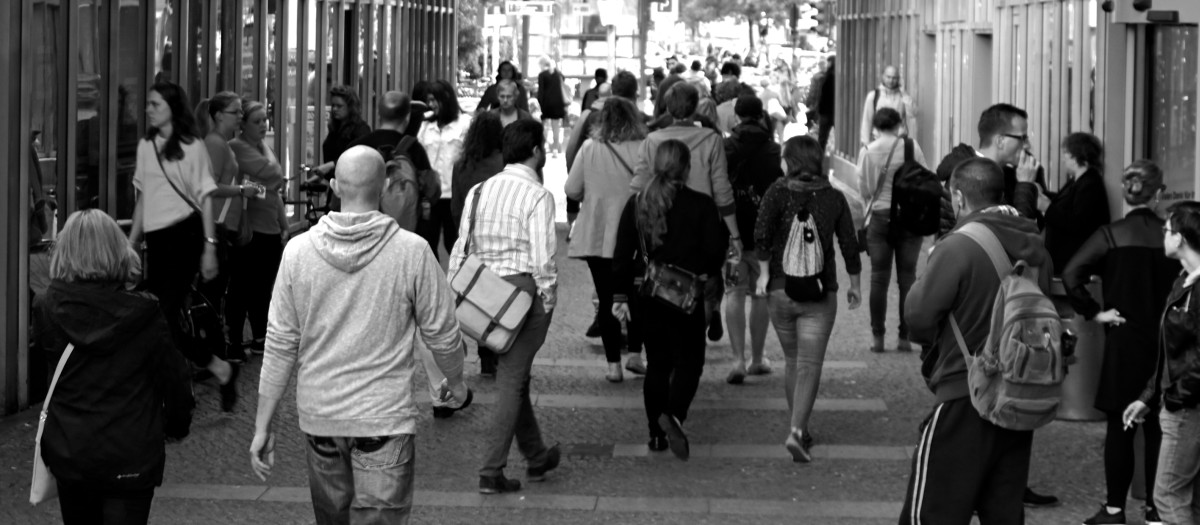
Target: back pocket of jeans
{"type": "Point", "coordinates": [376, 452]}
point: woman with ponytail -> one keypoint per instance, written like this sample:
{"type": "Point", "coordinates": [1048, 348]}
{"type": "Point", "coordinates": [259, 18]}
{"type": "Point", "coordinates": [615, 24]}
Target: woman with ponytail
{"type": "Point", "coordinates": [680, 227]}
{"type": "Point", "coordinates": [1137, 274]}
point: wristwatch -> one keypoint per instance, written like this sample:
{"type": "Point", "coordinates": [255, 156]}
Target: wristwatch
{"type": "Point", "coordinates": [211, 240]}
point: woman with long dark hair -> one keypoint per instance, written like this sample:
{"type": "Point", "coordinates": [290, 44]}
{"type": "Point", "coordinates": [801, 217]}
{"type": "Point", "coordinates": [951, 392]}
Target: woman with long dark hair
{"type": "Point", "coordinates": [1128, 255]}
{"type": "Point", "coordinates": [346, 124]}
{"type": "Point", "coordinates": [443, 138]}
{"type": "Point", "coordinates": [254, 277]}
{"type": "Point", "coordinates": [218, 120]}
{"type": "Point", "coordinates": [490, 99]}
{"type": "Point", "coordinates": [680, 227]}
{"type": "Point", "coordinates": [600, 178]}
{"type": "Point", "coordinates": [804, 327]}
{"type": "Point", "coordinates": [124, 387]}
{"type": "Point", "coordinates": [174, 179]}
{"type": "Point", "coordinates": [480, 159]}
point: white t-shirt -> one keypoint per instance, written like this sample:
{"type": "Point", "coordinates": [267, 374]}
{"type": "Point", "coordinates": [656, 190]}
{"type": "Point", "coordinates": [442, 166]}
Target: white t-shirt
{"type": "Point", "coordinates": [162, 207]}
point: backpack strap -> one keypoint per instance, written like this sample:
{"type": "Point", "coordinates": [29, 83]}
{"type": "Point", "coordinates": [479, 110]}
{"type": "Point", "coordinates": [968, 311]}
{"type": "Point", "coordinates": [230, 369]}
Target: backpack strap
{"type": "Point", "coordinates": [402, 146]}
{"type": "Point", "coordinates": [474, 211]}
{"type": "Point", "coordinates": [986, 239]}
{"type": "Point", "coordinates": [908, 150]}
{"type": "Point", "coordinates": [875, 104]}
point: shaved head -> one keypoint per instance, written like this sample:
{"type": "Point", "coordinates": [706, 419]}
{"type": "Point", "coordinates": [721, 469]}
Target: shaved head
{"type": "Point", "coordinates": [394, 107]}
{"type": "Point", "coordinates": [359, 179]}
{"type": "Point", "coordinates": [981, 182]}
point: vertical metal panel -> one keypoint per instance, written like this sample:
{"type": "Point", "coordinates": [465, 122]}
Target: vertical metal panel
{"type": "Point", "coordinates": [14, 33]}
{"type": "Point", "coordinates": [279, 116]}
{"type": "Point", "coordinates": [366, 20]}
{"type": "Point", "coordinates": [108, 140]}
{"type": "Point", "coordinates": [339, 42]}
{"type": "Point", "coordinates": [322, 87]}
{"type": "Point", "coordinates": [68, 97]}
{"type": "Point", "coordinates": [300, 129]}
{"type": "Point", "coordinates": [261, 65]}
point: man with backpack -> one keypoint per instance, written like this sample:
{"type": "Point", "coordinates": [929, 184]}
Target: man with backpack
{"type": "Point", "coordinates": [406, 161]}
{"type": "Point", "coordinates": [904, 202]}
{"type": "Point", "coordinates": [754, 164]}
{"type": "Point", "coordinates": [971, 460]}
{"type": "Point", "coordinates": [888, 94]}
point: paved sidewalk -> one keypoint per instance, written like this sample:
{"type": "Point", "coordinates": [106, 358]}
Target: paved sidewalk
{"type": "Point", "coordinates": [869, 409]}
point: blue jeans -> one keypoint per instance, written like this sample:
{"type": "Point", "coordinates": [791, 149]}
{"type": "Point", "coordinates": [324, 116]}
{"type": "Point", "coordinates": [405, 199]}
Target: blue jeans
{"type": "Point", "coordinates": [361, 479]}
{"type": "Point", "coordinates": [884, 245]}
{"type": "Point", "coordinates": [1176, 492]}
{"type": "Point", "coordinates": [803, 330]}
{"type": "Point", "coordinates": [513, 416]}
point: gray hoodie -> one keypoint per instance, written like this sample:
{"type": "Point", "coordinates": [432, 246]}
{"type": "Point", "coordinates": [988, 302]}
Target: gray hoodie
{"type": "Point", "coordinates": [351, 297]}
{"type": "Point", "coordinates": [709, 173]}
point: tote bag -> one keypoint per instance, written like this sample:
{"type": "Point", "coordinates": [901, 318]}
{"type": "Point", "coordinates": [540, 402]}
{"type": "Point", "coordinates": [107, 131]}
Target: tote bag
{"type": "Point", "coordinates": [44, 486]}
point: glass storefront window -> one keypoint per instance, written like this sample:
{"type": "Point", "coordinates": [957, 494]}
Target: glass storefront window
{"type": "Point", "coordinates": [90, 104]}
{"type": "Point", "coordinates": [164, 39]}
{"type": "Point", "coordinates": [1172, 112]}
{"type": "Point", "coordinates": [131, 88]}
{"type": "Point", "coordinates": [47, 20]}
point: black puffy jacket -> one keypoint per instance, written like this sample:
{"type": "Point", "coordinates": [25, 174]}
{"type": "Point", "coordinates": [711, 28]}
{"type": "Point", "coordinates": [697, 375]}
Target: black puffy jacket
{"type": "Point", "coordinates": [1179, 344]}
{"type": "Point", "coordinates": [124, 390]}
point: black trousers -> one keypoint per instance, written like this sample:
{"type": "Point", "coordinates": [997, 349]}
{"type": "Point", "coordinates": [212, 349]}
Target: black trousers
{"type": "Point", "coordinates": [172, 263]}
{"type": "Point", "coordinates": [824, 125]}
{"type": "Point", "coordinates": [96, 504]}
{"type": "Point", "coordinates": [610, 327]}
{"type": "Point", "coordinates": [251, 283]}
{"type": "Point", "coordinates": [440, 224]}
{"type": "Point", "coordinates": [674, 359]}
{"type": "Point", "coordinates": [1118, 457]}
{"type": "Point", "coordinates": [965, 464]}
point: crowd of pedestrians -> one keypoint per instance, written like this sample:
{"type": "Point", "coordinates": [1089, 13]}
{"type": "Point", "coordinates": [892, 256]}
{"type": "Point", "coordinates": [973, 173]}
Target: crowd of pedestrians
{"type": "Point", "coordinates": [681, 215]}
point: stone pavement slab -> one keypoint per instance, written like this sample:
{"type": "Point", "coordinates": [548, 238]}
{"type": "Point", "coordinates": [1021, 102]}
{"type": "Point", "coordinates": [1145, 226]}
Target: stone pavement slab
{"type": "Point", "coordinates": [636, 403]}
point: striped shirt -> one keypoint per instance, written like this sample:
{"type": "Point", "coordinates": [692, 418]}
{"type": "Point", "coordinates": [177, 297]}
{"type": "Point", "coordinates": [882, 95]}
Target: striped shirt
{"type": "Point", "coordinates": [514, 229]}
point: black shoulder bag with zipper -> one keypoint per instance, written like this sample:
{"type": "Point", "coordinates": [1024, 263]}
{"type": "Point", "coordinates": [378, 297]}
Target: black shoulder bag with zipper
{"type": "Point", "coordinates": [667, 283]}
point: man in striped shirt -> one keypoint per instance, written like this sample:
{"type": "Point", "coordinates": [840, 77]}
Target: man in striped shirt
{"type": "Point", "coordinates": [514, 236]}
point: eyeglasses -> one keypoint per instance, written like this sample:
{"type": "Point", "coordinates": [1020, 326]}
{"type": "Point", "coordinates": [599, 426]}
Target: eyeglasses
{"type": "Point", "coordinates": [1022, 138]}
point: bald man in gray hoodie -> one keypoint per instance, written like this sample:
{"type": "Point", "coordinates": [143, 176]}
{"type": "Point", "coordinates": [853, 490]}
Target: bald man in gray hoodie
{"type": "Point", "coordinates": [352, 297]}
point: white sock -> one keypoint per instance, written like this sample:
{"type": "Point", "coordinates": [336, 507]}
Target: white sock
{"type": "Point", "coordinates": [1112, 510]}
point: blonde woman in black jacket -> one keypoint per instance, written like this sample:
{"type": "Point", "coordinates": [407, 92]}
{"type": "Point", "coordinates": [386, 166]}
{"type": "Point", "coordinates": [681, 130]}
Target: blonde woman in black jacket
{"type": "Point", "coordinates": [124, 389]}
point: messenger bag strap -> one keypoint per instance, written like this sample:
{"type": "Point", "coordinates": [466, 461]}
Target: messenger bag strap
{"type": "Point", "coordinates": [474, 212]}
{"type": "Point", "coordinates": [161, 166]}
{"type": "Point", "coordinates": [637, 226]}
{"type": "Point", "coordinates": [879, 182]}
{"type": "Point", "coordinates": [619, 159]}
{"type": "Point", "coordinates": [62, 362]}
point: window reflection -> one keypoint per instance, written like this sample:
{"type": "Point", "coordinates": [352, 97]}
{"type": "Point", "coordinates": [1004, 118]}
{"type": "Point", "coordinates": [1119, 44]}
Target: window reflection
{"type": "Point", "coordinates": [89, 96]}
{"type": "Point", "coordinates": [1172, 122]}
{"type": "Point", "coordinates": [47, 20]}
{"type": "Point", "coordinates": [131, 89]}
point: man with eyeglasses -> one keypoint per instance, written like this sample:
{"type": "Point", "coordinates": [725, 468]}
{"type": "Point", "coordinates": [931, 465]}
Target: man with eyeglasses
{"type": "Point", "coordinates": [1004, 138]}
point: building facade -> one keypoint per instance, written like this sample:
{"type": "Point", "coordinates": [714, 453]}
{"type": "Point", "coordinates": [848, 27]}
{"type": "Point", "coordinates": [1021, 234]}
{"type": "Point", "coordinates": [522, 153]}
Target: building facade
{"type": "Point", "coordinates": [1102, 67]}
{"type": "Point", "coordinates": [77, 72]}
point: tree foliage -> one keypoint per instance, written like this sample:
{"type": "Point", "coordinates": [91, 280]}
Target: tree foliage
{"type": "Point", "coordinates": [470, 35]}
{"type": "Point", "coordinates": [694, 12]}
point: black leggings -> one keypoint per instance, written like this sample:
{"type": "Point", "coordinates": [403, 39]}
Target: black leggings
{"type": "Point", "coordinates": [1118, 457]}
{"type": "Point", "coordinates": [610, 327]}
{"type": "Point", "coordinates": [95, 503]}
{"type": "Point", "coordinates": [440, 224]}
{"type": "Point", "coordinates": [251, 283]}
{"type": "Point", "coordinates": [172, 262]}
{"type": "Point", "coordinates": [674, 360]}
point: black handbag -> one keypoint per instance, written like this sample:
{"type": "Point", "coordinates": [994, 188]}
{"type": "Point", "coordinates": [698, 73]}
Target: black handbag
{"type": "Point", "coordinates": [202, 320]}
{"type": "Point", "coordinates": [668, 283]}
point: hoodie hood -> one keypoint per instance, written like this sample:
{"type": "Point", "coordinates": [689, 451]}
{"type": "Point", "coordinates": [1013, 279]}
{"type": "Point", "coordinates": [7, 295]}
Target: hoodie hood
{"type": "Point", "coordinates": [960, 153]}
{"type": "Point", "coordinates": [1018, 235]}
{"type": "Point", "coordinates": [692, 135]}
{"type": "Point", "coordinates": [98, 317]}
{"type": "Point", "coordinates": [350, 241]}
